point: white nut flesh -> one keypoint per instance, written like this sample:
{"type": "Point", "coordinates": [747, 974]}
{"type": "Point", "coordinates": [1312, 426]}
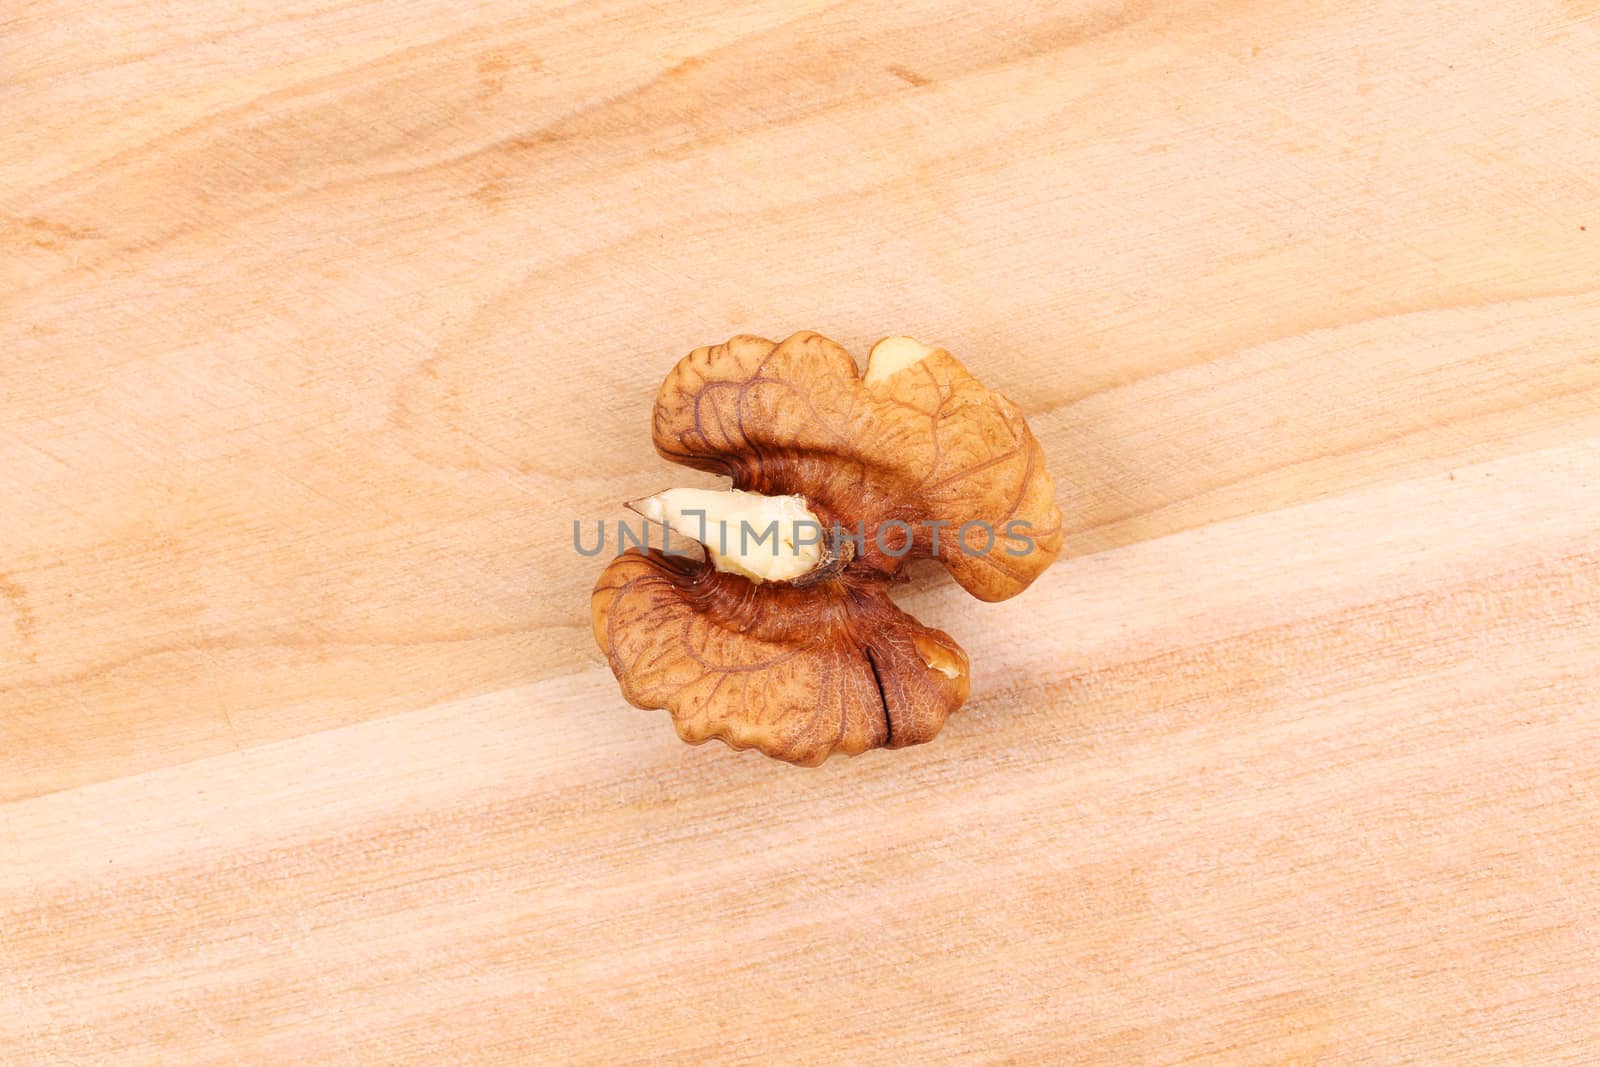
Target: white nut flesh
{"type": "Point", "coordinates": [892, 355]}
{"type": "Point", "coordinates": [763, 538]}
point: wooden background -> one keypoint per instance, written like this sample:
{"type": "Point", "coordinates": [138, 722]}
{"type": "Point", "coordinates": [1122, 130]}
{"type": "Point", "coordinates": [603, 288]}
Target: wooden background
{"type": "Point", "coordinates": [321, 321]}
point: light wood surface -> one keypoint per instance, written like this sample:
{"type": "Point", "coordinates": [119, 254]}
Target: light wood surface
{"type": "Point", "coordinates": [320, 323]}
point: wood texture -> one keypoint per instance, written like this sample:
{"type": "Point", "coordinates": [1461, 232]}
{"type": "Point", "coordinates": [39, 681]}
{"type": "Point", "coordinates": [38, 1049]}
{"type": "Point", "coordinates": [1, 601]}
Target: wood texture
{"type": "Point", "coordinates": [321, 323]}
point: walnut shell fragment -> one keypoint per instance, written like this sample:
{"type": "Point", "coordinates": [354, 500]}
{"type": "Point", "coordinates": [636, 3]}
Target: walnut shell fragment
{"type": "Point", "coordinates": [805, 655]}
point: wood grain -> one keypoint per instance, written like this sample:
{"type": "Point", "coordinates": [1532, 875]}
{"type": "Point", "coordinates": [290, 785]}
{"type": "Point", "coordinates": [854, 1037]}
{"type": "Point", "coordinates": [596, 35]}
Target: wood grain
{"type": "Point", "coordinates": [321, 323]}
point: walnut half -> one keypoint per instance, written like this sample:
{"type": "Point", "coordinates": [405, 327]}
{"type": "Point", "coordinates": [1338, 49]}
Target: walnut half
{"type": "Point", "coordinates": [783, 637]}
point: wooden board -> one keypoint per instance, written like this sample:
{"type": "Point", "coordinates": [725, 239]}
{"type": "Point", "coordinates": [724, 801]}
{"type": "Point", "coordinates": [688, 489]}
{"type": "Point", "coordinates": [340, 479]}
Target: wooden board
{"type": "Point", "coordinates": [321, 323]}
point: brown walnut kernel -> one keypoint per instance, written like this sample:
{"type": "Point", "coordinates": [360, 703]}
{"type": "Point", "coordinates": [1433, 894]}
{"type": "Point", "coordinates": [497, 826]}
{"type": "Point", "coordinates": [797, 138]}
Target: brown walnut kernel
{"type": "Point", "coordinates": [814, 657]}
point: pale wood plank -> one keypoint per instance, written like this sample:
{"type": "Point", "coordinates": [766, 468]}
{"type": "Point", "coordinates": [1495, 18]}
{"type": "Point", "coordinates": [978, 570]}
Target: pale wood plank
{"type": "Point", "coordinates": [320, 322]}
